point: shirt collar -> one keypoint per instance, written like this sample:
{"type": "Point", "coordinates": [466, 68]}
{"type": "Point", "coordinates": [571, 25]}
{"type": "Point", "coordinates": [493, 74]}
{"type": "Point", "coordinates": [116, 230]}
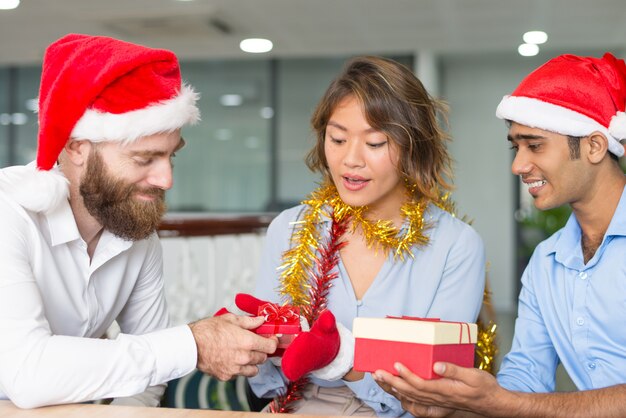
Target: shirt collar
{"type": "Point", "coordinates": [62, 225]}
{"type": "Point", "coordinates": [617, 227]}
{"type": "Point", "coordinates": [63, 229]}
{"type": "Point", "coordinates": [567, 245]}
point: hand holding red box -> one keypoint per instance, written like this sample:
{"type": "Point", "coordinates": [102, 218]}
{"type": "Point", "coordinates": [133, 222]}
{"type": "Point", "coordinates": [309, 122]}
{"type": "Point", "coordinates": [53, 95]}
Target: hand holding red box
{"type": "Point", "coordinates": [415, 342]}
{"type": "Point", "coordinates": [304, 351]}
{"type": "Point", "coordinates": [282, 321]}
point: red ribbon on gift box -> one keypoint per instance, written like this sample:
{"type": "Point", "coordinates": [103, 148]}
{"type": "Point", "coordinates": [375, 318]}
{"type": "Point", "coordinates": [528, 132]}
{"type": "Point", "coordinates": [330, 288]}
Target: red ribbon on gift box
{"type": "Point", "coordinates": [415, 318]}
{"type": "Point", "coordinates": [279, 315]}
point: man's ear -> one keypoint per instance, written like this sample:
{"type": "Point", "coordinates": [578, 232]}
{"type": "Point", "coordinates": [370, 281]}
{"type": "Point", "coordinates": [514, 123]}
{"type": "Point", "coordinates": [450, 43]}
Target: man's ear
{"type": "Point", "coordinates": [77, 151]}
{"type": "Point", "coordinates": [598, 147]}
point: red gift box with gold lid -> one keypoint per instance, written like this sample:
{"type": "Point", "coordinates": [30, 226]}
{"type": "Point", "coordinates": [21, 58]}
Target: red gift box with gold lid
{"type": "Point", "coordinates": [415, 342]}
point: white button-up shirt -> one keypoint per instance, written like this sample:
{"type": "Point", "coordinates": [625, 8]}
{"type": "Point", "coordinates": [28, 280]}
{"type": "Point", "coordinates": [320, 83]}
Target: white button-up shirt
{"type": "Point", "coordinates": [55, 305]}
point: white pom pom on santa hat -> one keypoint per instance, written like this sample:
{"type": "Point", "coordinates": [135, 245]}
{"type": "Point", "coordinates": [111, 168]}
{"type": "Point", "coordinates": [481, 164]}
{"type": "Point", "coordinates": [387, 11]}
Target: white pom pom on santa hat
{"type": "Point", "coordinates": [35, 190]}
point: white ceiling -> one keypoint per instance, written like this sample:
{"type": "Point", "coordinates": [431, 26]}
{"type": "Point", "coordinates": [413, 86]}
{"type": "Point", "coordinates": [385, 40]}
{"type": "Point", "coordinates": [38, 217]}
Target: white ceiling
{"type": "Point", "coordinates": [213, 28]}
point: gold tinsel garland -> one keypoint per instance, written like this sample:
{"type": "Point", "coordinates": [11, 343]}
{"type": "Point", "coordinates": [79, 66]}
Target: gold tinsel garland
{"type": "Point", "coordinates": [299, 259]}
{"type": "Point", "coordinates": [486, 344]}
{"type": "Point", "coordinates": [382, 234]}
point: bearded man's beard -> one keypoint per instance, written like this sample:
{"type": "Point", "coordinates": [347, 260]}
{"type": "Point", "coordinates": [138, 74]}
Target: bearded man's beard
{"type": "Point", "coordinates": [112, 203]}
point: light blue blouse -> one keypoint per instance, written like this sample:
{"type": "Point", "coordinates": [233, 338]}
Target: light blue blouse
{"type": "Point", "coordinates": [571, 312]}
{"type": "Point", "coordinates": [445, 279]}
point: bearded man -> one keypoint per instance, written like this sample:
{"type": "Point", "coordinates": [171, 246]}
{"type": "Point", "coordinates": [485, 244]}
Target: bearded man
{"type": "Point", "coordinates": [78, 248]}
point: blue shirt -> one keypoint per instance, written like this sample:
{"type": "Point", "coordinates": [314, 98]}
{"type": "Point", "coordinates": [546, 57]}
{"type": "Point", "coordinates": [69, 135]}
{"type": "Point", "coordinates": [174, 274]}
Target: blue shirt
{"type": "Point", "coordinates": [571, 312]}
{"type": "Point", "coordinates": [445, 279]}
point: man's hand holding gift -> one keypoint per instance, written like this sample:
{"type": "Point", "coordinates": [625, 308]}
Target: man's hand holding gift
{"type": "Point", "coordinates": [283, 321]}
{"type": "Point", "coordinates": [326, 351]}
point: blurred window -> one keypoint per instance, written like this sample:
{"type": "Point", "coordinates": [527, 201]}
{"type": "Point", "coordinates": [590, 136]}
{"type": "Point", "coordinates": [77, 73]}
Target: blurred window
{"type": "Point", "coordinates": [246, 155]}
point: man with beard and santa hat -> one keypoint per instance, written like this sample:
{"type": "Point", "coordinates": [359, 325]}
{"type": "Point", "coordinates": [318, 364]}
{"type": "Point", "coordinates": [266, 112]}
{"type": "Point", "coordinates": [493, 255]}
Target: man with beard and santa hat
{"type": "Point", "coordinates": [78, 248]}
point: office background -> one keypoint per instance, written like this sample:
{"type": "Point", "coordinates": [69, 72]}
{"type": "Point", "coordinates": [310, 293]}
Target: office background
{"type": "Point", "coordinates": [247, 154]}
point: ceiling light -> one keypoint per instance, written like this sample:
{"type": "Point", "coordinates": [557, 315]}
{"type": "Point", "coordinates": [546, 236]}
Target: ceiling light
{"type": "Point", "coordinates": [19, 118]}
{"type": "Point", "coordinates": [15, 119]}
{"type": "Point", "coordinates": [231, 100]}
{"type": "Point", "coordinates": [536, 37]}
{"type": "Point", "coordinates": [266, 112]}
{"type": "Point", "coordinates": [9, 4]}
{"type": "Point", "coordinates": [528, 50]}
{"type": "Point", "coordinates": [256, 45]}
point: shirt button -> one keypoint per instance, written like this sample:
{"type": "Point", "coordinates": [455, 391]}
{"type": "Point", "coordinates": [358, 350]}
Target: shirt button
{"type": "Point", "coordinates": [580, 320]}
{"type": "Point", "coordinates": [359, 303]}
{"type": "Point", "coordinates": [592, 366]}
{"type": "Point", "coordinates": [372, 392]}
{"type": "Point", "coordinates": [582, 275]}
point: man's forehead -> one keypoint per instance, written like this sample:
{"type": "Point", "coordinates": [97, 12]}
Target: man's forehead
{"type": "Point", "coordinates": [519, 131]}
{"type": "Point", "coordinates": [155, 144]}
{"type": "Point", "coordinates": [517, 127]}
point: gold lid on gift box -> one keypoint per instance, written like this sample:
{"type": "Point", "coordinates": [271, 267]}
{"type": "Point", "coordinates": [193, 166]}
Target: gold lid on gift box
{"type": "Point", "coordinates": [415, 330]}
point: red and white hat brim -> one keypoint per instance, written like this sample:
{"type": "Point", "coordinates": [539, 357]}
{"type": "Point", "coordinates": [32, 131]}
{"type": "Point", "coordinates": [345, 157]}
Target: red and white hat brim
{"type": "Point", "coordinates": [127, 127]}
{"type": "Point", "coordinates": [549, 117]}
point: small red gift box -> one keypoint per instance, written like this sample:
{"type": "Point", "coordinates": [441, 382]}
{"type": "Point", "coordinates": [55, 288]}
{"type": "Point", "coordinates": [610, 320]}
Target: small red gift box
{"type": "Point", "coordinates": [415, 342]}
{"type": "Point", "coordinates": [281, 321]}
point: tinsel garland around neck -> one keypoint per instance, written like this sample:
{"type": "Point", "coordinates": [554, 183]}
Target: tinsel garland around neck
{"type": "Point", "coordinates": [380, 234]}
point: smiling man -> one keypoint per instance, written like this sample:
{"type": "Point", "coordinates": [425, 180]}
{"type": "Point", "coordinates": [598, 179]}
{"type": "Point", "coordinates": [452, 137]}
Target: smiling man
{"type": "Point", "coordinates": [78, 243]}
{"type": "Point", "coordinates": [566, 123]}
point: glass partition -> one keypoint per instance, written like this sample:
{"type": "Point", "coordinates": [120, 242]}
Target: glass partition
{"type": "Point", "coordinates": [25, 116]}
{"type": "Point", "coordinates": [5, 117]}
{"type": "Point", "coordinates": [225, 164]}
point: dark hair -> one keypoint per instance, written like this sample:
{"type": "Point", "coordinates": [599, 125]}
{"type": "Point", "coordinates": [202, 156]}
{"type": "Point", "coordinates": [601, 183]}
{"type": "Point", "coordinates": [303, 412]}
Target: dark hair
{"type": "Point", "coordinates": [395, 103]}
{"type": "Point", "coordinates": [573, 143]}
{"type": "Point", "coordinates": [574, 148]}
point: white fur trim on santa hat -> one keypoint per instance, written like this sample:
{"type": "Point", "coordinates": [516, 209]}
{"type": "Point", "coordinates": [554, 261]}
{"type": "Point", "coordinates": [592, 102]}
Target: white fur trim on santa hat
{"type": "Point", "coordinates": [344, 360]}
{"type": "Point", "coordinates": [549, 117]}
{"type": "Point", "coordinates": [35, 190]}
{"type": "Point", "coordinates": [617, 127]}
{"type": "Point", "coordinates": [165, 116]}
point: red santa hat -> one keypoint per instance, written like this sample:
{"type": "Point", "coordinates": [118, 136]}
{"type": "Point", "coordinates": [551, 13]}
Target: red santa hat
{"type": "Point", "coordinates": [574, 96]}
{"type": "Point", "coordinates": [101, 89]}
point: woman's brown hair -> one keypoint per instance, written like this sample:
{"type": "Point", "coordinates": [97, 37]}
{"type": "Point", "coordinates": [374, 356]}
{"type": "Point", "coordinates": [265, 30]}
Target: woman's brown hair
{"type": "Point", "coordinates": [396, 103]}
